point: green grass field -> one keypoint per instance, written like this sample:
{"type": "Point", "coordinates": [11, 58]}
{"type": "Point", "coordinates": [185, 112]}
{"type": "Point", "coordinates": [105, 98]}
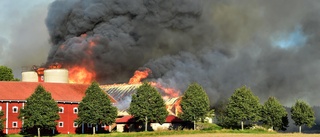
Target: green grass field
{"type": "Point", "coordinates": [164, 133]}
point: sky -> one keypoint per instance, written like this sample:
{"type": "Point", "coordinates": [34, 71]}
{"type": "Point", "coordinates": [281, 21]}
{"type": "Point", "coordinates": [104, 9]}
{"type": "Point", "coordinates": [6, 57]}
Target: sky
{"type": "Point", "coordinates": [24, 39]}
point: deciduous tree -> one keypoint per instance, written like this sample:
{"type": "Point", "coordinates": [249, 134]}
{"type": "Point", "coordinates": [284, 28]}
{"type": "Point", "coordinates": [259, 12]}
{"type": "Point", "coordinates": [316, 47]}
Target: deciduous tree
{"type": "Point", "coordinates": [274, 115]}
{"type": "Point", "coordinates": [40, 112]}
{"type": "Point", "coordinates": [6, 74]}
{"type": "Point", "coordinates": [242, 106]}
{"type": "Point", "coordinates": [1, 120]}
{"type": "Point", "coordinates": [148, 105]}
{"type": "Point", "coordinates": [302, 114]}
{"type": "Point", "coordinates": [195, 103]}
{"type": "Point", "coordinates": [96, 108]}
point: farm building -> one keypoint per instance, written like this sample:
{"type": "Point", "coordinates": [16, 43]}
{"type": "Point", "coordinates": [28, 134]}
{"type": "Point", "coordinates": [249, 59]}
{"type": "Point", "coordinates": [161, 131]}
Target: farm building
{"type": "Point", "coordinates": [126, 123]}
{"type": "Point", "coordinates": [13, 96]}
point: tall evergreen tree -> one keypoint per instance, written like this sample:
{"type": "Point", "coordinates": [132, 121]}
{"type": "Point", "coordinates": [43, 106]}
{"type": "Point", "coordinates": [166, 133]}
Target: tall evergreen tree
{"type": "Point", "coordinates": [302, 114]}
{"type": "Point", "coordinates": [195, 103]}
{"type": "Point", "coordinates": [96, 108]}
{"type": "Point", "coordinates": [274, 114]}
{"type": "Point", "coordinates": [148, 105]}
{"type": "Point", "coordinates": [40, 112]}
{"type": "Point", "coordinates": [242, 106]}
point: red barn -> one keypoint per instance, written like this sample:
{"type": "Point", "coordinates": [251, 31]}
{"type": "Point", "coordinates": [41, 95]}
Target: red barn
{"type": "Point", "coordinates": [13, 96]}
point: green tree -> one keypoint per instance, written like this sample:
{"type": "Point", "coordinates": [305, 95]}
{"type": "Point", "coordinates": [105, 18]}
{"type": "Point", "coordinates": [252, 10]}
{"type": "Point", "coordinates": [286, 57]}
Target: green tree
{"type": "Point", "coordinates": [302, 114]}
{"type": "Point", "coordinates": [195, 104]}
{"type": "Point", "coordinates": [6, 74]}
{"type": "Point", "coordinates": [1, 120]}
{"type": "Point", "coordinates": [147, 105]}
{"type": "Point", "coordinates": [242, 106]}
{"type": "Point", "coordinates": [40, 112]}
{"type": "Point", "coordinates": [96, 108]}
{"type": "Point", "coordinates": [274, 114]}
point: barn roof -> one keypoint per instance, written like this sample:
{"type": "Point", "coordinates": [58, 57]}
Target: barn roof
{"type": "Point", "coordinates": [62, 92]}
{"type": "Point", "coordinates": [122, 93]}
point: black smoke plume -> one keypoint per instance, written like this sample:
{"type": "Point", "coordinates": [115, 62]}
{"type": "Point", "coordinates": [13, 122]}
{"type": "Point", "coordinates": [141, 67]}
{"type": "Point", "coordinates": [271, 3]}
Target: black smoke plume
{"type": "Point", "coordinates": [221, 44]}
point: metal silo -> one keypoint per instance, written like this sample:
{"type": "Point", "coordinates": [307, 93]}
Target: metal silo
{"type": "Point", "coordinates": [56, 75]}
{"type": "Point", "coordinates": [29, 76]}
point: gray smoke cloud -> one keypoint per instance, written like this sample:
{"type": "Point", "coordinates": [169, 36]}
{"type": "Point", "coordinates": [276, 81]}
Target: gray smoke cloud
{"type": "Point", "coordinates": [25, 40]}
{"type": "Point", "coordinates": [220, 44]}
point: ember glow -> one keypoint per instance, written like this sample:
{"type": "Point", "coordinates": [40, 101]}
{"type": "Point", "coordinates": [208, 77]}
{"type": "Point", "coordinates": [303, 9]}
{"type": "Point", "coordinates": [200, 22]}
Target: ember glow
{"type": "Point", "coordinates": [80, 74]}
{"type": "Point", "coordinates": [139, 75]}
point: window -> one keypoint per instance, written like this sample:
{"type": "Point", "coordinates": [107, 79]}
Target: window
{"type": "Point", "coordinates": [15, 109]}
{"type": "Point", "coordinates": [61, 109]}
{"type": "Point", "coordinates": [75, 110]}
{"type": "Point", "coordinates": [15, 124]}
{"type": "Point", "coordinates": [60, 124]}
{"type": "Point", "coordinates": [89, 125]}
{"type": "Point", "coordinates": [75, 124]}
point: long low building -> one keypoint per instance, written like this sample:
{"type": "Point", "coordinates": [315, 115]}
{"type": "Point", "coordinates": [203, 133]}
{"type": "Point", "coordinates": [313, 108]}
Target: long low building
{"type": "Point", "coordinates": [13, 97]}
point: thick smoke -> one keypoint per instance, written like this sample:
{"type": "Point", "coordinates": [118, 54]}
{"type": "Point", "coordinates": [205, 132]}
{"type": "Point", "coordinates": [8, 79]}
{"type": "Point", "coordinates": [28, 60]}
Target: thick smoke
{"type": "Point", "coordinates": [220, 44]}
{"type": "Point", "coordinates": [25, 38]}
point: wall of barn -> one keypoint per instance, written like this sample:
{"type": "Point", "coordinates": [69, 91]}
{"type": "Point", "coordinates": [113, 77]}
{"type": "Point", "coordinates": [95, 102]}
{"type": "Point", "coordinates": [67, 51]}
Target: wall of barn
{"type": "Point", "coordinates": [12, 125]}
{"type": "Point", "coordinates": [68, 112]}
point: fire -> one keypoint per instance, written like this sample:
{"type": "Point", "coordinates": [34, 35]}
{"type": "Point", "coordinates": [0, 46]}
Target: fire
{"type": "Point", "coordinates": [177, 106]}
{"type": "Point", "coordinates": [80, 74]}
{"type": "Point", "coordinates": [139, 75]}
{"type": "Point", "coordinates": [169, 92]}
{"type": "Point", "coordinates": [55, 66]}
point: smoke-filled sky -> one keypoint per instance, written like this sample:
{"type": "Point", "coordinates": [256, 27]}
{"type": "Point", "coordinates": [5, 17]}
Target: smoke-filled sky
{"type": "Point", "coordinates": [24, 39]}
{"type": "Point", "coordinates": [270, 46]}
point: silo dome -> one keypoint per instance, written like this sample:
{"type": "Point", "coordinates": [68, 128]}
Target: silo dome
{"type": "Point", "coordinates": [56, 76]}
{"type": "Point", "coordinates": [29, 76]}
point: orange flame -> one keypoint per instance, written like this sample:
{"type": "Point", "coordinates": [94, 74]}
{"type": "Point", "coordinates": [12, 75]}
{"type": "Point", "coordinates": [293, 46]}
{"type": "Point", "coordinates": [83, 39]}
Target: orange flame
{"type": "Point", "coordinates": [78, 74]}
{"type": "Point", "coordinates": [55, 66]}
{"type": "Point", "coordinates": [139, 75]}
{"type": "Point", "coordinates": [177, 106]}
{"type": "Point", "coordinates": [169, 92]}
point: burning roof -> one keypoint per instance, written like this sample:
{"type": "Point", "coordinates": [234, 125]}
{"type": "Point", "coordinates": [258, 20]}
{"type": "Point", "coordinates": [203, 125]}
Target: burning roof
{"type": "Point", "coordinates": [122, 93]}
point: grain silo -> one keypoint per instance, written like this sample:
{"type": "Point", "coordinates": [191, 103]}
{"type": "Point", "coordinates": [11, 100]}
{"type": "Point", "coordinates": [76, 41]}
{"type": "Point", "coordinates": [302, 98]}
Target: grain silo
{"type": "Point", "coordinates": [30, 76]}
{"type": "Point", "coordinates": [56, 75]}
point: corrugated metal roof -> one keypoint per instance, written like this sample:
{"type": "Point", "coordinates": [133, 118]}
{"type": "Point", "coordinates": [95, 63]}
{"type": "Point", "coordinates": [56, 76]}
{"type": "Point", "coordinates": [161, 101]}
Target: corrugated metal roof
{"type": "Point", "coordinates": [122, 93]}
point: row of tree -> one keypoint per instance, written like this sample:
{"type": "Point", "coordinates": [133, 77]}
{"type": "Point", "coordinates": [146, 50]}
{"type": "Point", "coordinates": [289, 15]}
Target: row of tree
{"type": "Point", "coordinates": [243, 106]}
{"type": "Point", "coordinates": [40, 112]}
{"type": "Point", "coordinates": [148, 105]}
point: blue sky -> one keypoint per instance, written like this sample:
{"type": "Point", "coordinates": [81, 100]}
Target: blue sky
{"type": "Point", "coordinates": [293, 39]}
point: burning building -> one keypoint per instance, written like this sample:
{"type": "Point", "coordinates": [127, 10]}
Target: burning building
{"type": "Point", "coordinates": [122, 93]}
{"type": "Point", "coordinates": [68, 95]}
